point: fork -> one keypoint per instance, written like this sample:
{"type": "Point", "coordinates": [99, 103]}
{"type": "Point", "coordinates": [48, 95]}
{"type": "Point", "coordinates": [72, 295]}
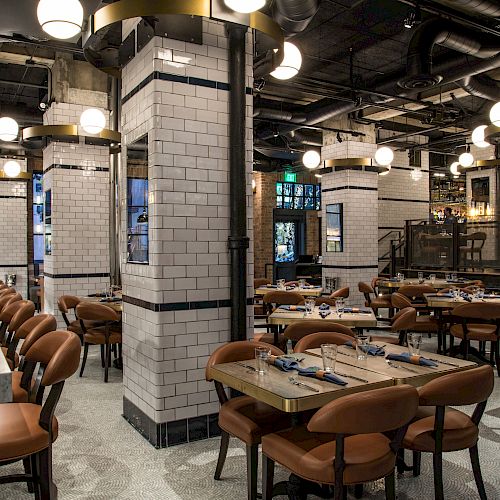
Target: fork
{"type": "Point", "coordinates": [394, 365]}
{"type": "Point", "coordinates": [294, 381]}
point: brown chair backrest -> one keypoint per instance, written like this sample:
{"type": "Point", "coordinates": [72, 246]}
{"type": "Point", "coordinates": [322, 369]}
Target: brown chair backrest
{"type": "Point", "coordinates": [11, 308]}
{"type": "Point", "coordinates": [257, 282]}
{"type": "Point", "coordinates": [237, 351]}
{"type": "Point", "coordinates": [25, 312]}
{"type": "Point", "coordinates": [89, 311]}
{"type": "Point", "coordinates": [59, 351]}
{"type": "Point", "coordinates": [67, 302]}
{"type": "Point", "coordinates": [33, 329]}
{"type": "Point", "coordinates": [314, 340]}
{"type": "Point", "coordinates": [400, 301]}
{"type": "Point", "coordinates": [7, 291]}
{"type": "Point", "coordinates": [365, 288]}
{"type": "Point", "coordinates": [8, 299]}
{"type": "Point", "coordinates": [321, 300]}
{"type": "Point", "coordinates": [379, 410]}
{"type": "Point", "coordinates": [295, 283]}
{"type": "Point", "coordinates": [477, 310]}
{"type": "Point", "coordinates": [415, 291]}
{"type": "Point", "coordinates": [296, 331]}
{"type": "Point", "coordinates": [3, 286]}
{"type": "Point", "coordinates": [279, 297]}
{"type": "Point", "coordinates": [404, 319]}
{"type": "Point", "coordinates": [463, 388]}
{"type": "Point", "coordinates": [340, 293]}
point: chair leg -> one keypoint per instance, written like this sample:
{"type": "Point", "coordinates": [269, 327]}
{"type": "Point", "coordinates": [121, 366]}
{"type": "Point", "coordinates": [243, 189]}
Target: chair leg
{"type": "Point", "coordinates": [390, 487]}
{"type": "Point", "coordinates": [417, 460]}
{"type": "Point", "coordinates": [102, 355]}
{"type": "Point", "coordinates": [48, 490]}
{"type": "Point", "coordinates": [340, 493]}
{"type": "Point", "coordinates": [496, 348]}
{"type": "Point", "coordinates": [267, 478]}
{"type": "Point", "coordinates": [107, 361]}
{"type": "Point", "coordinates": [224, 445]}
{"type": "Point", "coordinates": [84, 360]}
{"type": "Point", "coordinates": [438, 476]}
{"type": "Point", "coordinates": [358, 491]}
{"type": "Point", "coordinates": [476, 468]}
{"type": "Point", "coordinates": [252, 467]}
{"type": "Point", "coordinates": [28, 470]}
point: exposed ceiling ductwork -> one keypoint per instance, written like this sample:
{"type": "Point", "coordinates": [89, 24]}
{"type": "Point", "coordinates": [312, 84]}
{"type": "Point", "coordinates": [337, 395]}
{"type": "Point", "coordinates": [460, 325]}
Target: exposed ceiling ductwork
{"type": "Point", "coordinates": [295, 15]}
{"type": "Point", "coordinates": [490, 8]}
{"type": "Point", "coordinates": [482, 86]}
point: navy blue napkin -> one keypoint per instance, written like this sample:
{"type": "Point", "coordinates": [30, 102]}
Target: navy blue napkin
{"type": "Point", "coordinates": [283, 364]}
{"type": "Point", "coordinates": [317, 372]}
{"type": "Point", "coordinates": [324, 307]}
{"type": "Point", "coordinates": [414, 360]}
{"type": "Point", "coordinates": [372, 350]}
{"type": "Point", "coordinates": [360, 310]}
{"type": "Point", "coordinates": [293, 308]}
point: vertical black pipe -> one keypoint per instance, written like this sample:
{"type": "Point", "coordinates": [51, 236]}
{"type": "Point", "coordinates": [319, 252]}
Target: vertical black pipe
{"type": "Point", "coordinates": [238, 239]}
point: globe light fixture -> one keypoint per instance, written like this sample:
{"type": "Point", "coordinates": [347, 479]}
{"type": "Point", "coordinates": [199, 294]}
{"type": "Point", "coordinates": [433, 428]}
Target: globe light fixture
{"type": "Point", "coordinates": [495, 114]}
{"type": "Point", "coordinates": [245, 6]}
{"type": "Point", "coordinates": [466, 159]}
{"type": "Point", "coordinates": [291, 63]}
{"type": "Point", "coordinates": [93, 121]}
{"type": "Point", "coordinates": [9, 129]}
{"type": "Point", "coordinates": [61, 19]}
{"type": "Point", "coordinates": [454, 168]}
{"type": "Point", "coordinates": [478, 137]}
{"type": "Point", "coordinates": [385, 172]}
{"type": "Point", "coordinates": [311, 159]}
{"type": "Point", "coordinates": [12, 168]}
{"type": "Point", "coordinates": [384, 156]}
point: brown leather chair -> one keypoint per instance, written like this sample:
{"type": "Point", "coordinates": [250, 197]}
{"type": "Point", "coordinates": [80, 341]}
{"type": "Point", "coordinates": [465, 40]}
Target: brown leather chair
{"type": "Point", "coordinates": [479, 322]}
{"type": "Point", "coordinates": [105, 336]}
{"type": "Point", "coordinates": [438, 429]}
{"type": "Point", "coordinates": [416, 294]}
{"type": "Point", "coordinates": [295, 283]}
{"type": "Point", "coordinates": [31, 330]}
{"type": "Point", "coordinates": [298, 330]}
{"type": "Point", "coordinates": [7, 314]}
{"type": "Point", "coordinates": [424, 323]}
{"type": "Point", "coordinates": [258, 282]}
{"type": "Point", "coordinates": [24, 313]}
{"type": "Point", "coordinates": [9, 299]}
{"type": "Point", "coordinates": [344, 442]}
{"type": "Point", "coordinates": [375, 303]}
{"type": "Point", "coordinates": [314, 340]}
{"type": "Point", "coordinates": [258, 308]}
{"type": "Point", "coordinates": [244, 417]}
{"type": "Point", "coordinates": [403, 322]}
{"type": "Point", "coordinates": [340, 293]}
{"type": "Point", "coordinates": [7, 291]}
{"type": "Point", "coordinates": [27, 430]}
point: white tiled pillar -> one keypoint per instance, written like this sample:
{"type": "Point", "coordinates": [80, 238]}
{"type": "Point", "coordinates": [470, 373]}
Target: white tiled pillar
{"type": "Point", "coordinates": [77, 174]}
{"type": "Point", "coordinates": [176, 308]}
{"type": "Point", "coordinates": [13, 228]}
{"type": "Point", "coordinates": [357, 191]}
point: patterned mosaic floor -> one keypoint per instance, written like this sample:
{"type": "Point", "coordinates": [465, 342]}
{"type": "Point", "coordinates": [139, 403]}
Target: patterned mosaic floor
{"type": "Point", "coordinates": [99, 456]}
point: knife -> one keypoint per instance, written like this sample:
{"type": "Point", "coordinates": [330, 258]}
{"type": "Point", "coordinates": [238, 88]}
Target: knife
{"type": "Point", "coordinates": [247, 366]}
{"type": "Point", "coordinates": [444, 362]}
{"type": "Point", "coordinates": [352, 376]}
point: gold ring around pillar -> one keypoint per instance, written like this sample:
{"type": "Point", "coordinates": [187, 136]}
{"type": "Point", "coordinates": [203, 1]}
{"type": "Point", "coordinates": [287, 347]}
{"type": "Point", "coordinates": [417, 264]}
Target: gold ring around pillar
{"type": "Point", "coordinates": [41, 131]}
{"type": "Point", "coordinates": [354, 163]}
{"type": "Point", "coordinates": [24, 176]}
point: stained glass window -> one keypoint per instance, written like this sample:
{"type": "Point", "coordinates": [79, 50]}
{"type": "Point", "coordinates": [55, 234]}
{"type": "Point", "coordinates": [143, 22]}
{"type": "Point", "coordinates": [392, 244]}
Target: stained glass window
{"type": "Point", "coordinates": [298, 196]}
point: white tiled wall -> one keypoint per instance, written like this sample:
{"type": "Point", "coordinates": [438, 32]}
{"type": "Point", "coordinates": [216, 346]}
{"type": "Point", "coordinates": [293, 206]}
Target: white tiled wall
{"type": "Point", "coordinates": [165, 353]}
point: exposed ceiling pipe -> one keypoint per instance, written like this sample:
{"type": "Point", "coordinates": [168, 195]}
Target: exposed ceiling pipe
{"type": "Point", "coordinates": [482, 86]}
{"type": "Point", "coordinates": [489, 8]}
{"type": "Point", "coordinates": [295, 15]}
{"type": "Point", "coordinates": [307, 139]}
{"type": "Point", "coordinates": [419, 67]}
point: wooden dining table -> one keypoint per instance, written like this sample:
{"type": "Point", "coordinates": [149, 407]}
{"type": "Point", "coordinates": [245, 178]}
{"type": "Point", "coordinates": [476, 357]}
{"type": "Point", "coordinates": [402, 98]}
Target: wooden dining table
{"type": "Point", "coordinates": [437, 284]}
{"type": "Point", "coordinates": [314, 291]}
{"type": "Point", "coordinates": [116, 305]}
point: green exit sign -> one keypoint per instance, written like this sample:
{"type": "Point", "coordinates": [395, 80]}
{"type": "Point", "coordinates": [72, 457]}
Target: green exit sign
{"type": "Point", "coordinates": [290, 177]}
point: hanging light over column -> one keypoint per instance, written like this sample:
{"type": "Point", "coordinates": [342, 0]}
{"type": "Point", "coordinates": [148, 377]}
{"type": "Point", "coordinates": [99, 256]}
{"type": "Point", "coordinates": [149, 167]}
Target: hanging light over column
{"type": "Point", "coordinates": [12, 168]}
{"type": "Point", "coordinates": [466, 159]}
{"type": "Point", "coordinates": [495, 114]}
{"type": "Point", "coordinates": [311, 159]}
{"type": "Point", "coordinates": [384, 156]}
{"type": "Point", "coordinates": [454, 168]}
{"type": "Point", "coordinates": [291, 63]}
{"type": "Point", "coordinates": [245, 6]}
{"type": "Point", "coordinates": [478, 137]}
{"type": "Point", "coordinates": [93, 121]}
{"type": "Point", "coordinates": [60, 18]}
{"type": "Point", "coordinates": [9, 129]}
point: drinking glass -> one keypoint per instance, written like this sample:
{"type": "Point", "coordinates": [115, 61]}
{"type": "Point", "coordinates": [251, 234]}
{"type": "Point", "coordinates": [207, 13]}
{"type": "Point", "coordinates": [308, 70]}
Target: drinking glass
{"type": "Point", "coordinates": [456, 293]}
{"type": "Point", "coordinates": [414, 343]}
{"type": "Point", "coordinates": [339, 305]}
{"type": "Point", "coordinates": [454, 277]}
{"type": "Point", "coordinates": [448, 277]}
{"type": "Point", "coordinates": [362, 342]}
{"type": "Point", "coordinates": [309, 303]}
{"type": "Point", "coordinates": [329, 355]}
{"type": "Point", "coordinates": [281, 284]}
{"type": "Point", "coordinates": [420, 277]}
{"type": "Point", "coordinates": [302, 283]}
{"type": "Point", "coordinates": [432, 278]}
{"type": "Point", "coordinates": [400, 276]}
{"type": "Point", "coordinates": [262, 356]}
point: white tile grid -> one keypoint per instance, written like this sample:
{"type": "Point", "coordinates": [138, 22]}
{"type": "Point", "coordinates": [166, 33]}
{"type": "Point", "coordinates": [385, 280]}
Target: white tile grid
{"type": "Point", "coordinates": [165, 353]}
{"type": "Point", "coordinates": [22, 161]}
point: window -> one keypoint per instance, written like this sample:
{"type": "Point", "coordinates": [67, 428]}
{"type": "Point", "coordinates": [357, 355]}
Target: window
{"type": "Point", "coordinates": [294, 196]}
{"type": "Point", "coordinates": [48, 222]}
{"type": "Point", "coordinates": [38, 246]}
{"type": "Point", "coordinates": [137, 202]}
{"type": "Point", "coordinates": [334, 228]}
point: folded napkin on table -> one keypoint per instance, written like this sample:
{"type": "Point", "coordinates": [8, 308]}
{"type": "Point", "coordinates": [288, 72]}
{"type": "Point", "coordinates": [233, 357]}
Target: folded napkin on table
{"type": "Point", "coordinates": [405, 357]}
{"type": "Point", "coordinates": [371, 349]}
{"type": "Point", "coordinates": [324, 313]}
{"type": "Point", "coordinates": [360, 310]}
{"type": "Point", "coordinates": [324, 307]}
{"type": "Point", "coordinates": [283, 363]}
{"type": "Point", "coordinates": [293, 308]}
{"type": "Point", "coordinates": [316, 372]}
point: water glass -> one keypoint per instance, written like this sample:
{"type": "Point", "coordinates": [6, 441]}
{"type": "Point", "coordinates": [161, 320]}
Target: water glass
{"type": "Point", "coordinates": [329, 355]}
{"type": "Point", "coordinates": [432, 278]}
{"type": "Point", "coordinates": [302, 283]}
{"type": "Point", "coordinates": [309, 303]}
{"type": "Point", "coordinates": [281, 284]}
{"type": "Point", "coordinates": [262, 356]}
{"type": "Point", "coordinates": [414, 343]}
{"type": "Point", "coordinates": [448, 276]}
{"type": "Point", "coordinates": [400, 277]}
{"type": "Point", "coordinates": [454, 277]}
{"type": "Point", "coordinates": [420, 277]}
{"type": "Point", "coordinates": [339, 306]}
{"type": "Point", "coordinates": [456, 294]}
{"type": "Point", "coordinates": [362, 342]}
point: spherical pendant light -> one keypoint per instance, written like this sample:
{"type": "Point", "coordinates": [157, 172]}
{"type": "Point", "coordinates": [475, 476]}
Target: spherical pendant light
{"type": "Point", "coordinates": [291, 63]}
{"type": "Point", "coordinates": [478, 137]}
{"type": "Point", "coordinates": [466, 159]}
{"type": "Point", "coordinates": [311, 159]}
{"type": "Point", "coordinates": [12, 168]}
{"type": "Point", "coordinates": [384, 156]}
{"type": "Point", "coordinates": [60, 18]}
{"type": "Point", "coordinates": [245, 6]}
{"type": "Point", "coordinates": [93, 121]}
{"type": "Point", "coordinates": [454, 168]}
{"type": "Point", "coordinates": [495, 114]}
{"type": "Point", "coordinates": [9, 129]}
